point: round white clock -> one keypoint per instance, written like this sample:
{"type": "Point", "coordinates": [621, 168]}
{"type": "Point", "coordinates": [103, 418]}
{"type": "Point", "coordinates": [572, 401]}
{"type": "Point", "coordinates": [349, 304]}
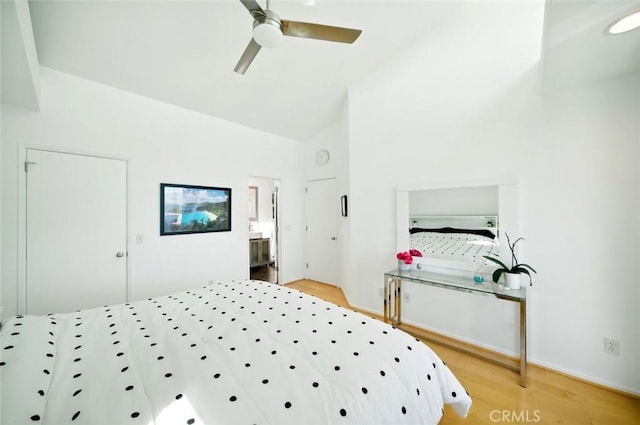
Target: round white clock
{"type": "Point", "coordinates": [322, 157]}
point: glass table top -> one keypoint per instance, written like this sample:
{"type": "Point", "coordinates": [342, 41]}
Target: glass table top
{"type": "Point", "coordinates": [465, 284]}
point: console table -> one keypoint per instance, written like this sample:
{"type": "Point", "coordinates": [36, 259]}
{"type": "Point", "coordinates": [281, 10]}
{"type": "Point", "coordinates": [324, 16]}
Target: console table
{"type": "Point", "coordinates": [393, 302]}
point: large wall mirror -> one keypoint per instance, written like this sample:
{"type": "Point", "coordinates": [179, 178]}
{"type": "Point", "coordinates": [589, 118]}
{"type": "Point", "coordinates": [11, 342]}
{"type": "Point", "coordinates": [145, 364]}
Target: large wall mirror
{"type": "Point", "coordinates": [454, 226]}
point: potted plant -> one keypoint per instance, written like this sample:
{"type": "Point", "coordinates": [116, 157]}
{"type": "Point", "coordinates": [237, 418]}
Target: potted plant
{"type": "Point", "coordinates": [512, 274]}
{"type": "Point", "coordinates": [405, 258]}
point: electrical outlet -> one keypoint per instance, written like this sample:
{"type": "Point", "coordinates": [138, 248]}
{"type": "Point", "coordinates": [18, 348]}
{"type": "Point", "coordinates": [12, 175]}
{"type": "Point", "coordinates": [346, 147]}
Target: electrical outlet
{"type": "Point", "coordinates": [611, 346]}
{"type": "Point", "coordinates": [380, 292]}
{"type": "Point", "coordinates": [407, 297]}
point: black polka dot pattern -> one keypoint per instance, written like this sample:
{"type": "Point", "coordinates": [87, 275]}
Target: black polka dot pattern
{"type": "Point", "coordinates": [261, 353]}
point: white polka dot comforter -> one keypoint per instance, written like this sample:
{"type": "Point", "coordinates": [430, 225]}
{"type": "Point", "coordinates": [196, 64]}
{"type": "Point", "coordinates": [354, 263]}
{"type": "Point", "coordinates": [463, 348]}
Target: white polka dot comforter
{"type": "Point", "coordinates": [243, 352]}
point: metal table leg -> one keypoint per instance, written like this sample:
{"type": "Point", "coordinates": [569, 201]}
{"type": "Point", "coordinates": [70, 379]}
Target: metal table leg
{"type": "Point", "coordinates": [398, 321]}
{"type": "Point", "coordinates": [523, 343]}
{"type": "Point", "coordinates": [392, 304]}
{"type": "Point", "coordinates": [386, 298]}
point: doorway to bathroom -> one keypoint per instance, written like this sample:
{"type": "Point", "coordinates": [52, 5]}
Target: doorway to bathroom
{"type": "Point", "coordinates": [264, 229]}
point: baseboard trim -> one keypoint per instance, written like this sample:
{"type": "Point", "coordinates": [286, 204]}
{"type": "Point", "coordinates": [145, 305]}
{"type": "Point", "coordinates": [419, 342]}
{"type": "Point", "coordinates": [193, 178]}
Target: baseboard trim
{"type": "Point", "coordinates": [622, 391]}
{"type": "Point", "coordinates": [503, 359]}
{"type": "Point", "coordinates": [495, 357]}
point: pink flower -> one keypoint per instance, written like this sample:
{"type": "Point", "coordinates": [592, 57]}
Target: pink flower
{"type": "Point", "coordinates": [415, 253]}
{"type": "Point", "coordinates": [405, 256]}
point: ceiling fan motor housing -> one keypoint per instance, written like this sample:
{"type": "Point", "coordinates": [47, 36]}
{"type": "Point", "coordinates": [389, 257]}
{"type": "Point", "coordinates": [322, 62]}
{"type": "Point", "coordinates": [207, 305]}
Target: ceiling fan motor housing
{"type": "Point", "coordinates": [267, 29]}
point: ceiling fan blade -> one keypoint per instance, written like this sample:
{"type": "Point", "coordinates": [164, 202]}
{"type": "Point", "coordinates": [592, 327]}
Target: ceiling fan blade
{"type": "Point", "coordinates": [247, 57]}
{"type": "Point", "coordinates": [252, 5]}
{"type": "Point", "coordinates": [320, 32]}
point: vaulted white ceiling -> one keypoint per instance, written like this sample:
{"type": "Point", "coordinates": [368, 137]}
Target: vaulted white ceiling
{"type": "Point", "coordinates": [183, 51]}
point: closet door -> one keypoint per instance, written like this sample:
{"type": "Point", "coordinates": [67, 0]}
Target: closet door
{"type": "Point", "coordinates": [76, 233]}
{"type": "Point", "coordinates": [321, 244]}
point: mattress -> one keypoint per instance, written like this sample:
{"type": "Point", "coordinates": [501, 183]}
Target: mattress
{"type": "Point", "coordinates": [238, 352]}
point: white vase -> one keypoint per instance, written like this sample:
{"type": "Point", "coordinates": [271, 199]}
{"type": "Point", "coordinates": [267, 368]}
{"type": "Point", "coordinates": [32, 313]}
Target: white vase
{"type": "Point", "coordinates": [513, 280]}
{"type": "Point", "coordinates": [403, 266]}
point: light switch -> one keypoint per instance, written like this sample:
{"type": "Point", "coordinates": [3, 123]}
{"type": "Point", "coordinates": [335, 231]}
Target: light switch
{"type": "Point", "coordinates": [139, 238]}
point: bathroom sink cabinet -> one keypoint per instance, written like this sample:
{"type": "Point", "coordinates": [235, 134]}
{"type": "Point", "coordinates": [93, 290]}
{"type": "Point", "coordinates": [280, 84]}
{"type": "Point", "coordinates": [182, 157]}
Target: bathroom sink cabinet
{"type": "Point", "coordinates": [259, 251]}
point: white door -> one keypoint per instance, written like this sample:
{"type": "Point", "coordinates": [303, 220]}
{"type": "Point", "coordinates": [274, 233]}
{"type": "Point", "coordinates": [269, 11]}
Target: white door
{"type": "Point", "coordinates": [76, 237]}
{"type": "Point", "coordinates": [321, 245]}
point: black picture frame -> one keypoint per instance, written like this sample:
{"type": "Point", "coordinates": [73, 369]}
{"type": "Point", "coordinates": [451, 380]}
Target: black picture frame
{"type": "Point", "coordinates": [186, 209]}
{"type": "Point", "coordinates": [343, 205]}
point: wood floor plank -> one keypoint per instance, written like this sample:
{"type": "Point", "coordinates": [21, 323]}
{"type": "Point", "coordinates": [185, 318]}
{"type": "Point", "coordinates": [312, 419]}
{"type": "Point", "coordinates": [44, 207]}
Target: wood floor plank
{"type": "Point", "coordinates": [550, 398]}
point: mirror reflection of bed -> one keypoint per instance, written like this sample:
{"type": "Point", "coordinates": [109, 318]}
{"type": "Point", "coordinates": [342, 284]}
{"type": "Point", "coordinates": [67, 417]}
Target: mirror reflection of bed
{"type": "Point", "coordinates": [465, 239]}
{"type": "Point", "coordinates": [454, 227]}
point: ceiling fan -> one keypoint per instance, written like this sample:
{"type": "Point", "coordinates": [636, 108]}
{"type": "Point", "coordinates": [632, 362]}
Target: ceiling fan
{"type": "Point", "coordinates": [268, 30]}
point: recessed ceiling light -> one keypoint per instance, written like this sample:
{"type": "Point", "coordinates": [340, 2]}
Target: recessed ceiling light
{"type": "Point", "coordinates": [625, 24]}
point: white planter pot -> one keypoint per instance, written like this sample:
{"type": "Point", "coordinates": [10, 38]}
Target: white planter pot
{"type": "Point", "coordinates": [512, 280]}
{"type": "Point", "coordinates": [403, 266]}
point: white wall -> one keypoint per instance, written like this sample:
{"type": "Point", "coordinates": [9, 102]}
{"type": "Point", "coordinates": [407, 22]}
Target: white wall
{"type": "Point", "coordinates": [19, 70]}
{"type": "Point", "coordinates": [465, 109]}
{"type": "Point", "coordinates": [161, 143]}
{"type": "Point", "coordinates": [480, 200]}
{"type": "Point", "coordinates": [1, 259]}
{"type": "Point", "coordinates": [1, 303]}
{"type": "Point", "coordinates": [335, 140]}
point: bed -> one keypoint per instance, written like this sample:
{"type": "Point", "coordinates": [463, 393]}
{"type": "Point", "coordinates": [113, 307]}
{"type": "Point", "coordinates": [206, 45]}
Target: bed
{"type": "Point", "coordinates": [237, 352]}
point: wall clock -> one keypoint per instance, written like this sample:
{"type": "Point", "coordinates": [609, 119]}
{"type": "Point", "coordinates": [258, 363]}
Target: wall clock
{"type": "Point", "coordinates": [322, 157]}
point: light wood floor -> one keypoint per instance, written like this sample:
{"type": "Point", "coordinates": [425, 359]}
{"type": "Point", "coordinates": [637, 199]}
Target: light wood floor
{"type": "Point", "coordinates": [550, 398]}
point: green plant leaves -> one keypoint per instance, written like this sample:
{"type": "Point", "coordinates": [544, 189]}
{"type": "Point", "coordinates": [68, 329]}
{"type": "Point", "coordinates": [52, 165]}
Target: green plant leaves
{"type": "Point", "coordinates": [517, 268]}
{"type": "Point", "coordinates": [496, 275]}
{"type": "Point", "coordinates": [526, 266]}
{"type": "Point", "coordinates": [498, 262]}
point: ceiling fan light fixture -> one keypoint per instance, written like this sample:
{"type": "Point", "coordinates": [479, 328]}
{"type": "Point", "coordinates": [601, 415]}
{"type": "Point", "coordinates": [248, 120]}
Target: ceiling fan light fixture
{"type": "Point", "coordinates": [267, 32]}
{"type": "Point", "coordinates": [624, 24]}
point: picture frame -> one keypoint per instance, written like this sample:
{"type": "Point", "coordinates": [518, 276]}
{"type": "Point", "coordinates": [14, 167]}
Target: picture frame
{"type": "Point", "coordinates": [343, 205]}
{"type": "Point", "coordinates": [186, 209]}
{"type": "Point", "coordinates": [253, 203]}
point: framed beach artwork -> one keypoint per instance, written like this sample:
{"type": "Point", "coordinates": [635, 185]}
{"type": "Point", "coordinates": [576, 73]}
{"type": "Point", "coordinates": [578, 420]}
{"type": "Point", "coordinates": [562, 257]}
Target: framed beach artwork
{"type": "Point", "coordinates": [194, 209]}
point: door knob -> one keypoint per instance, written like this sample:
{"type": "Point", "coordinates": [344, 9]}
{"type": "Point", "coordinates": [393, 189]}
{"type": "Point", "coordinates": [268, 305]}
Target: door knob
{"type": "Point", "coordinates": [333, 238]}
{"type": "Point", "coordinates": [119, 254]}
